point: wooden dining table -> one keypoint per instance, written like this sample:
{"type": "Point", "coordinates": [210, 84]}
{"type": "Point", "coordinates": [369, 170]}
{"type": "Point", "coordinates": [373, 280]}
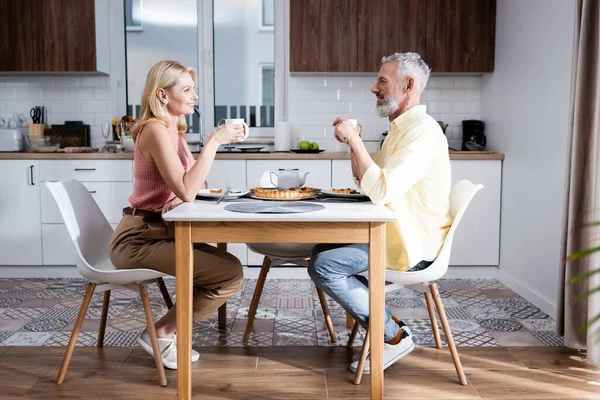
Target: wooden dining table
{"type": "Point", "coordinates": [337, 222]}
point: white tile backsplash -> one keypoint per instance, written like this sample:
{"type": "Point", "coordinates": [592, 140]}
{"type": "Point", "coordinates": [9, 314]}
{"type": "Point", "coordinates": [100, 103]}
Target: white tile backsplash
{"type": "Point", "coordinates": [315, 102]}
{"type": "Point", "coordinates": [66, 98]}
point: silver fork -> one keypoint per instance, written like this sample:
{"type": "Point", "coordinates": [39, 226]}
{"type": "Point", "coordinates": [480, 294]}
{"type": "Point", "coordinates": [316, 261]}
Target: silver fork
{"type": "Point", "coordinates": [228, 187]}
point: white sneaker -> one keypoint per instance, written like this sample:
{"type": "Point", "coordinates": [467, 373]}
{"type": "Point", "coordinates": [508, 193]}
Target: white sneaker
{"type": "Point", "coordinates": [356, 356]}
{"type": "Point", "coordinates": [391, 353]}
{"type": "Point", "coordinates": [168, 349]}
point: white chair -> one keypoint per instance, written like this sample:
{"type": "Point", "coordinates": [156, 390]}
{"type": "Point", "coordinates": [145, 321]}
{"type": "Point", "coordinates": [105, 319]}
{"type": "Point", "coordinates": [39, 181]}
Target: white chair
{"type": "Point", "coordinates": [423, 282]}
{"type": "Point", "coordinates": [276, 254]}
{"type": "Point", "coordinates": [90, 232]}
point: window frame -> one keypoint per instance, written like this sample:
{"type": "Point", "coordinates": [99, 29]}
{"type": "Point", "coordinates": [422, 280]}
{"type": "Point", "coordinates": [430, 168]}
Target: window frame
{"type": "Point", "coordinates": [263, 27]}
{"type": "Point", "coordinates": [205, 71]}
{"type": "Point", "coordinates": [140, 6]}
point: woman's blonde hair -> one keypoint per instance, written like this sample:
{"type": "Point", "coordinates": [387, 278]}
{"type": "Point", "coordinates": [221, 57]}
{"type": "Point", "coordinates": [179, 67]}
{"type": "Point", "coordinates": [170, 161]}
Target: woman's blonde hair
{"type": "Point", "coordinates": [165, 75]}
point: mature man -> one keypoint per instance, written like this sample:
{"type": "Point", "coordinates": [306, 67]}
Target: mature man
{"type": "Point", "coordinates": [411, 176]}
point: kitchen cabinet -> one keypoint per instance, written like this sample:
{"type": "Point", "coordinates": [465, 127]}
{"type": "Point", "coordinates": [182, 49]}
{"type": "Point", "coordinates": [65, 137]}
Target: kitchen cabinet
{"type": "Point", "coordinates": [353, 36]}
{"type": "Point", "coordinates": [323, 35]}
{"type": "Point", "coordinates": [109, 181]}
{"type": "Point", "coordinates": [34, 233]}
{"type": "Point", "coordinates": [389, 26]}
{"type": "Point", "coordinates": [461, 35]}
{"type": "Point", "coordinates": [20, 234]}
{"type": "Point", "coordinates": [477, 239]}
{"type": "Point", "coordinates": [54, 36]}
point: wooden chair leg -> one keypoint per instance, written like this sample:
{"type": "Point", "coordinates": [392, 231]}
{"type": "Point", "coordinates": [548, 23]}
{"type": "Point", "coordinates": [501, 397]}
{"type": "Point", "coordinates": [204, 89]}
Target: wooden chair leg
{"type": "Point", "coordinates": [349, 321]}
{"type": "Point", "coordinates": [327, 315]}
{"type": "Point", "coordinates": [223, 317]}
{"type": "Point", "coordinates": [353, 334]}
{"type": "Point", "coordinates": [78, 322]}
{"type": "Point", "coordinates": [264, 270]}
{"type": "Point", "coordinates": [165, 293]}
{"type": "Point", "coordinates": [433, 319]}
{"type": "Point", "coordinates": [440, 308]}
{"type": "Point", "coordinates": [363, 359]}
{"type": "Point", "coordinates": [152, 332]}
{"type": "Point", "coordinates": [103, 318]}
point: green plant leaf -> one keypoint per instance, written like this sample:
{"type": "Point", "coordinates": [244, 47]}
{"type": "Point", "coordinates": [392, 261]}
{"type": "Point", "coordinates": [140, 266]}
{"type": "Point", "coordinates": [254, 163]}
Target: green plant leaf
{"type": "Point", "coordinates": [584, 275]}
{"type": "Point", "coordinates": [589, 323]}
{"type": "Point", "coordinates": [586, 294]}
{"type": "Point", "coordinates": [583, 253]}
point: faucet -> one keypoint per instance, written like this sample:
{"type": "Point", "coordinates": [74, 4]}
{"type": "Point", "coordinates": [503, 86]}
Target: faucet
{"type": "Point", "coordinates": [200, 126]}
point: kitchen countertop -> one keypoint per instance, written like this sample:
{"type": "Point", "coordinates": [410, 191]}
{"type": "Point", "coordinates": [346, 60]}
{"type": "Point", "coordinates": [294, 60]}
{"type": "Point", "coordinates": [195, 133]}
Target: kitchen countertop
{"type": "Point", "coordinates": [454, 155]}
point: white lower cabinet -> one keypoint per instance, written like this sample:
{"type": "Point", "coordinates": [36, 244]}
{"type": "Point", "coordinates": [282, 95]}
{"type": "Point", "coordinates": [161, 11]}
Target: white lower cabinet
{"type": "Point", "coordinates": [20, 232]}
{"type": "Point", "coordinates": [33, 232]}
{"type": "Point", "coordinates": [477, 239]}
{"type": "Point", "coordinates": [109, 181]}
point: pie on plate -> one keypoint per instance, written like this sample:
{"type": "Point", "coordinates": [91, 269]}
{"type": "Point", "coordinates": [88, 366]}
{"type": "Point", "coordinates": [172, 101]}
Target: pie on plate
{"type": "Point", "coordinates": [285, 194]}
{"type": "Point", "coordinates": [344, 192]}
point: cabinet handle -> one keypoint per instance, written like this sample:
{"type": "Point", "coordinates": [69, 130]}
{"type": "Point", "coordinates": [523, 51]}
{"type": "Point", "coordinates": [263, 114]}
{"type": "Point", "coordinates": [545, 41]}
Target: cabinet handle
{"type": "Point", "coordinates": [92, 191]}
{"type": "Point", "coordinates": [31, 175]}
{"type": "Point", "coordinates": [85, 169]}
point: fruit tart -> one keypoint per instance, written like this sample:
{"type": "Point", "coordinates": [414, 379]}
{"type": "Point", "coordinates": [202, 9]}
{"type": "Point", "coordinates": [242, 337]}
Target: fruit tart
{"type": "Point", "coordinates": [285, 194]}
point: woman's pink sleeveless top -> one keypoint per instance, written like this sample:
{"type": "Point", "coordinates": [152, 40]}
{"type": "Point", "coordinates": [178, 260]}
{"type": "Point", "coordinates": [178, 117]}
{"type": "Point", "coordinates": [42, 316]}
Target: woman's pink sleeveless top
{"type": "Point", "coordinates": [150, 191]}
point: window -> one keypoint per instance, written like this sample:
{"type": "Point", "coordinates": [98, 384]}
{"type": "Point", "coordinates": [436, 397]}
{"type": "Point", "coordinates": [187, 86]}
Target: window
{"type": "Point", "coordinates": [133, 15]}
{"type": "Point", "coordinates": [268, 14]}
{"type": "Point", "coordinates": [244, 63]}
{"type": "Point", "coordinates": [240, 63]}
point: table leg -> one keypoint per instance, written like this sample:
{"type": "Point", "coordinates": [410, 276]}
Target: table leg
{"type": "Point", "coordinates": [184, 259]}
{"type": "Point", "coordinates": [376, 305]}
{"type": "Point", "coordinates": [223, 309]}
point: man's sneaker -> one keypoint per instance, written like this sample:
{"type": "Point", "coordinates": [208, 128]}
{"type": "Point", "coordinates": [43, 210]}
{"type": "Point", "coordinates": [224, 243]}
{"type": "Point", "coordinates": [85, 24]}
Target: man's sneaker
{"type": "Point", "coordinates": [400, 323]}
{"type": "Point", "coordinates": [391, 353]}
{"type": "Point", "coordinates": [168, 349]}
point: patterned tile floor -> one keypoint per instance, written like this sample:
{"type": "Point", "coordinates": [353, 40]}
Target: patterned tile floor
{"type": "Point", "coordinates": [41, 312]}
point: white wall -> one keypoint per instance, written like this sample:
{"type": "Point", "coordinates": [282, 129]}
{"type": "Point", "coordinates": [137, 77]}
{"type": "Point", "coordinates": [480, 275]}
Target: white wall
{"type": "Point", "coordinates": [315, 101]}
{"type": "Point", "coordinates": [525, 104]}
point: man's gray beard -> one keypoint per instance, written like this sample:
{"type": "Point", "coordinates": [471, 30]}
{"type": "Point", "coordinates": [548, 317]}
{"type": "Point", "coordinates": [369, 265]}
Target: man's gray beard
{"type": "Point", "coordinates": [389, 107]}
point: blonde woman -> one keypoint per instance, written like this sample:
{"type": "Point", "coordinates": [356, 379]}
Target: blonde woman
{"type": "Point", "coordinates": [166, 174]}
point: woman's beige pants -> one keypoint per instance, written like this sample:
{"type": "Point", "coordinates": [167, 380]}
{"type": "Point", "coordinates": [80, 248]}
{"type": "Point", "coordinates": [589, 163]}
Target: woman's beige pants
{"type": "Point", "coordinates": [217, 273]}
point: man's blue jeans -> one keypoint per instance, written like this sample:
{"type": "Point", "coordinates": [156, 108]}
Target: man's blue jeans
{"type": "Point", "coordinates": [333, 268]}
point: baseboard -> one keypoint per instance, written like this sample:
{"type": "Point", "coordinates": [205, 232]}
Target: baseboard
{"type": "Point", "coordinates": [70, 271]}
{"type": "Point", "coordinates": [39, 271]}
{"type": "Point", "coordinates": [528, 293]}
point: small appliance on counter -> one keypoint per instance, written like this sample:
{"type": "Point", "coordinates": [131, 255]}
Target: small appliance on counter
{"type": "Point", "coordinates": [11, 140]}
{"type": "Point", "coordinates": [473, 138]}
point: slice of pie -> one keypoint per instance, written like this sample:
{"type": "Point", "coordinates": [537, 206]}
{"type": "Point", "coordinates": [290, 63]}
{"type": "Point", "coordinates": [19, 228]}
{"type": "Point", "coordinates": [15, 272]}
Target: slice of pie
{"type": "Point", "coordinates": [296, 193]}
{"type": "Point", "coordinates": [345, 191]}
{"type": "Point", "coordinates": [217, 191]}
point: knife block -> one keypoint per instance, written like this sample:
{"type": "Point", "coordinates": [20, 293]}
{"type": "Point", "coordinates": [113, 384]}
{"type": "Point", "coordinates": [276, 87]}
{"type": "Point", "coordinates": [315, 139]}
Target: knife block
{"type": "Point", "coordinates": [37, 130]}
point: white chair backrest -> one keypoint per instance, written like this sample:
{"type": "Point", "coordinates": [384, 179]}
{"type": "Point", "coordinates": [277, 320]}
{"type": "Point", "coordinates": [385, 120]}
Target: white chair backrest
{"type": "Point", "coordinates": [265, 180]}
{"type": "Point", "coordinates": [88, 228]}
{"type": "Point", "coordinates": [460, 196]}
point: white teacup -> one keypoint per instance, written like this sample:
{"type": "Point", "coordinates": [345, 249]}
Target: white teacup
{"type": "Point", "coordinates": [234, 121]}
{"type": "Point", "coordinates": [353, 122]}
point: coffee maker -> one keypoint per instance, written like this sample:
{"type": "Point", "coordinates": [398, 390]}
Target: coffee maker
{"type": "Point", "coordinates": [473, 137]}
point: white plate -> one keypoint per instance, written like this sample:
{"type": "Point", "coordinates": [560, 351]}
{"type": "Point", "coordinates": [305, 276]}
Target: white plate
{"type": "Point", "coordinates": [232, 193]}
{"type": "Point", "coordinates": [330, 193]}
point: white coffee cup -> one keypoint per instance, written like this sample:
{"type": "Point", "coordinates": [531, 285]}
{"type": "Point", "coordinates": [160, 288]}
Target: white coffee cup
{"type": "Point", "coordinates": [234, 121]}
{"type": "Point", "coordinates": [353, 122]}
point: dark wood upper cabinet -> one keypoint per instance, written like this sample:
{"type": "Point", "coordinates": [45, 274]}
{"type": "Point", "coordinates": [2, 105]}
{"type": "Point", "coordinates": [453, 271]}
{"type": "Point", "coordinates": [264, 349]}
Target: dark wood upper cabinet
{"type": "Point", "coordinates": [47, 36]}
{"type": "Point", "coordinates": [323, 35]}
{"type": "Point", "coordinates": [461, 35]}
{"type": "Point", "coordinates": [389, 26]}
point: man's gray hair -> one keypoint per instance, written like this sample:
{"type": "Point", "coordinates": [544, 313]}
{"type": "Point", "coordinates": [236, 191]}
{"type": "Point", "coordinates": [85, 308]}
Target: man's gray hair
{"type": "Point", "coordinates": [410, 64]}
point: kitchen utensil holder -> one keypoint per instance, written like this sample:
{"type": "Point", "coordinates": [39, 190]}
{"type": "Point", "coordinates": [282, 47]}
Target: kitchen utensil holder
{"type": "Point", "coordinates": [37, 130]}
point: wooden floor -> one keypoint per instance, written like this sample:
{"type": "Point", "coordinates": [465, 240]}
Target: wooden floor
{"type": "Point", "coordinates": [300, 373]}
